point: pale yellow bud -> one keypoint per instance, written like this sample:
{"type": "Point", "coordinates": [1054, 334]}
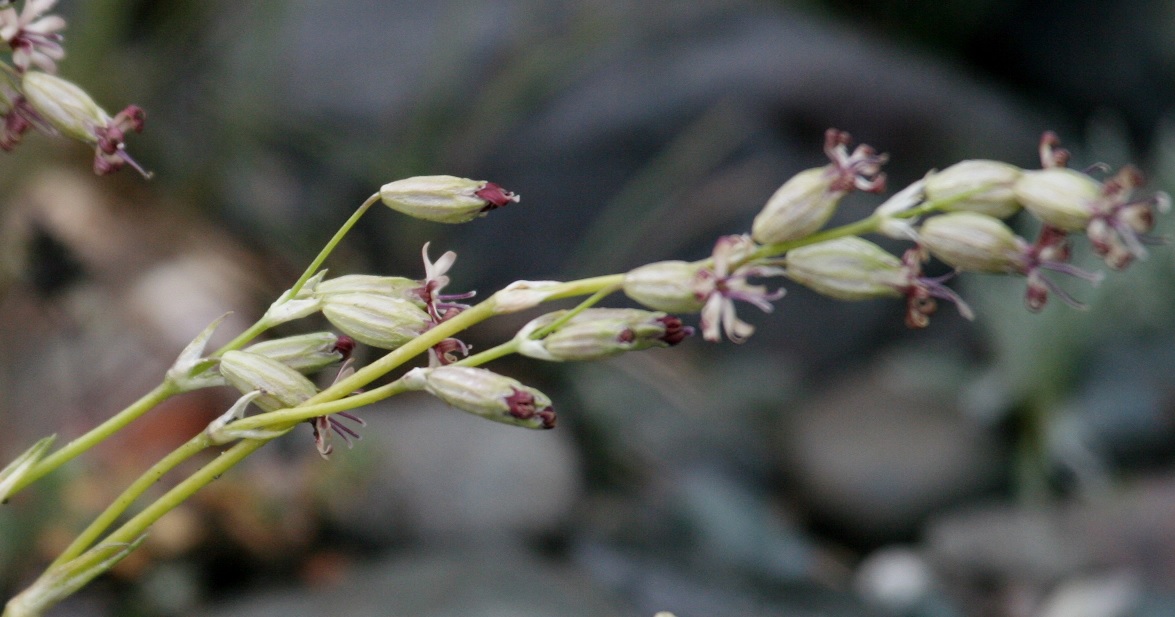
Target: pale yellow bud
{"type": "Point", "coordinates": [444, 199]}
{"type": "Point", "coordinates": [849, 268]}
{"type": "Point", "coordinates": [379, 321]}
{"type": "Point", "coordinates": [1059, 196]}
{"type": "Point", "coordinates": [799, 208]}
{"type": "Point", "coordinates": [988, 186]}
{"type": "Point", "coordinates": [280, 385]}
{"type": "Point", "coordinates": [975, 242]}
{"type": "Point", "coordinates": [664, 286]}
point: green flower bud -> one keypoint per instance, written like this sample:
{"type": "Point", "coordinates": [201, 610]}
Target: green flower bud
{"type": "Point", "coordinates": [799, 208]}
{"type": "Point", "coordinates": [1059, 196]}
{"type": "Point", "coordinates": [444, 199]}
{"type": "Point", "coordinates": [975, 242]}
{"type": "Point", "coordinates": [848, 268]}
{"type": "Point", "coordinates": [379, 321]}
{"type": "Point", "coordinates": [393, 286]}
{"type": "Point", "coordinates": [485, 393]}
{"type": "Point", "coordinates": [989, 182]}
{"type": "Point", "coordinates": [305, 353]}
{"type": "Point", "coordinates": [64, 105]}
{"type": "Point", "coordinates": [280, 385]}
{"type": "Point", "coordinates": [664, 286]}
{"type": "Point", "coordinates": [599, 333]}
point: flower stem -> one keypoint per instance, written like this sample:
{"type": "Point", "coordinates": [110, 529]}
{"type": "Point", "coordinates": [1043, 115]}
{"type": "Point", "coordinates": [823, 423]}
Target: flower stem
{"type": "Point", "coordinates": [128, 496]}
{"type": "Point", "coordinates": [96, 435]}
{"type": "Point", "coordinates": [330, 246]}
{"type": "Point", "coordinates": [137, 525]}
{"type": "Point", "coordinates": [262, 325]}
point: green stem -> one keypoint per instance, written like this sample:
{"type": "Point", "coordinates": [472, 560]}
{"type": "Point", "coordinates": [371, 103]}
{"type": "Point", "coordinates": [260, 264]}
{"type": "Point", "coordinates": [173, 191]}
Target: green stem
{"type": "Point", "coordinates": [285, 418]}
{"type": "Point", "coordinates": [464, 320]}
{"type": "Point", "coordinates": [330, 246]}
{"type": "Point", "coordinates": [138, 524]}
{"type": "Point", "coordinates": [128, 496]}
{"type": "Point", "coordinates": [261, 326]}
{"type": "Point", "coordinates": [96, 435]}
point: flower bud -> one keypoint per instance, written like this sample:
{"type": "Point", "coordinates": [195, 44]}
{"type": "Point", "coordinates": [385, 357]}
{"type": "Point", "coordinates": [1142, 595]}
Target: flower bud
{"type": "Point", "coordinates": [64, 105]}
{"type": "Point", "coordinates": [988, 185]}
{"type": "Point", "coordinates": [485, 393]}
{"type": "Point", "coordinates": [798, 208]}
{"type": "Point", "coordinates": [975, 242]}
{"type": "Point", "coordinates": [393, 286]}
{"type": "Point", "coordinates": [305, 353]}
{"type": "Point", "coordinates": [599, 333]}
{"type": "Point", "coordinates": [444, 199]}
{"type": "Point", "coordinates": [379, 321]}
{"type": "Point", "coordinates": [280, 385]}
{"type": "Point", "coordinates": [1059, 196]}
{"type": "Point", "coordinates": [522, 295]}
{"type": "Point", "coordinates": [664, 286]}
{"type": "Point", "coordinates": [848, 268]}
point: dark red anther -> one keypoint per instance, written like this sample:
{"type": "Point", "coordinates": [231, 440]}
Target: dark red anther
{"type": "Point", "coordinates": [345, 345]}
{"type": "Point", "coordinates": [548, 418]}
{"type": "Point", "coordinates": [495, 196]}
{"type": "Point", "coordinates": [521, 404]}
{"type": "Point", "coordinates": [626, 336]}
{"type": "Point", "coordinates": [675, 331]}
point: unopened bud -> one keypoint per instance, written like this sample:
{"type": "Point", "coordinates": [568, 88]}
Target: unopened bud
{"type": "Point", "coordinates": [599, 333]}
{"type": "Point", "coordinates": [485, 393]}
{"type": "Point", "coordinates": [975, 242]}
{"type": "Point", "coordinates": [664, 286]}
{"type": "Point", "coordinates": [304, 353]}
{"type": "Point", "coordinates": [976, 186]}
{"type": "Point", "coordinates": [799, 208]}
{"type": "Point", "coordinates": [848, 268]}
{"type": "Point", "coordinates": [280, 385]}
{"type": "Point", "coordinates": [522, 295]}
{"type": "Point", "coordinates": [64, 105]}
{"type": "Point", "coordinates": [444, 199]}
{"type": "Point", "coordinates": [392, 286]}
{"type": "Point", "coordinates": [1059, 196]}
{"type": "Point", "coordinates": [380, 321]}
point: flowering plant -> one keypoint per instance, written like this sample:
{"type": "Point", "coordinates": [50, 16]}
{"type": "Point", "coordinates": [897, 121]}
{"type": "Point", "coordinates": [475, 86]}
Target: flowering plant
{"type": "Point", "coordinates": [956, 215]}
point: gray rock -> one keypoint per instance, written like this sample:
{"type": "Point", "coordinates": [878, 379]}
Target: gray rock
{"type": "Point", "coordinates": [496, 580]}
{"type": "Point", "coordinates": [438, 471]}
{"type": "Point", "coordinates": [885, 446]}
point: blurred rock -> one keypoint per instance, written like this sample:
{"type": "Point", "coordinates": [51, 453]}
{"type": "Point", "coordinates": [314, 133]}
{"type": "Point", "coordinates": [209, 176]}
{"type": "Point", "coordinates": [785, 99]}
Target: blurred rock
{"type": "Point", "coordinates": [895, 579]}
{"type": "Point", "coordinates": [1111, 595]}
{"type": "Point", "coordinates": [494, 580]}
{"type": "Point", "coordinates": [443, 473]}
{"type": "Point", "coordinates": [884, 446]}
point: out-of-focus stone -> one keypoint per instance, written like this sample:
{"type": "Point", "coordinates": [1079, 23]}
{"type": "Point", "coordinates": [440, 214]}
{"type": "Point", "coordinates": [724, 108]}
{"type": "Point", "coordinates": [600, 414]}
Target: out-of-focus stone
{"type": "Point", "coordinates": [496, 580]}
{"type": "Point", "coordinates": [441, 472]}
{"type": "Point", "coordinates": [883, 447]}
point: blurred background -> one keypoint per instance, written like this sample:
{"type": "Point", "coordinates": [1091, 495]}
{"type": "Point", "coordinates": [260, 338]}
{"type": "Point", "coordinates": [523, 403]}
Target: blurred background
{"type": "Point", "coordinates": [835, 465]}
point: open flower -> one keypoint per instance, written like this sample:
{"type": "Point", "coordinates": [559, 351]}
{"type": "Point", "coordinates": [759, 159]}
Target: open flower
{"type": "Point", "coordinates": [441, 307]}
{"type": "Point", "coordinates": [35, 39]}
{"type": "Point", "coordinates": [726, 281]}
